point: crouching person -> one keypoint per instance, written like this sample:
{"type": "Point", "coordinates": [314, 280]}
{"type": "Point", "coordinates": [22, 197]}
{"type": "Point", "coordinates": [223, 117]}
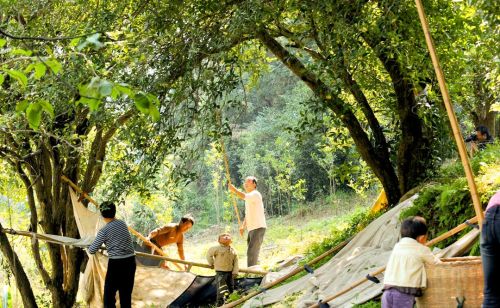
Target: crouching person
{"type": "Point", "coordinates": [224, 260]}
{"type": "Point", "coordinates": [121, 265]}
{"type": "Point", "coordinates": [405, 277]}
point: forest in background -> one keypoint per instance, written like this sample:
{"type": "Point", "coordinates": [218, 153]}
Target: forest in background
{"type": "Point", "coordinates": [130, 101]}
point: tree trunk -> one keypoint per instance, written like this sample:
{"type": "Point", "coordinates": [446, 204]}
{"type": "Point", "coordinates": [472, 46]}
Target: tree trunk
{"type": "Point", "coordinates": [481, 114]}
{"type": "Point", "coordinates": [376, 158]}
{"type": "Point", "coordinates": [22, 281]}
{"type": "Point", "coordinates": [414, 156]}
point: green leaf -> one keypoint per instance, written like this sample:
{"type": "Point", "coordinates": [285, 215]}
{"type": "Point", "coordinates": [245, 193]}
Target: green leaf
{"type": "Point", "coordinates": [29, 68]}
{"type": "Point", "coordinates": [142, 102]}
{"type": "Point", "coordinates": [47, 107]}
{"type": "Point", "coordinates": [89, 91]}
{"type": "Point", "coordinates": [21, 106]}
{"type": "Point", "coordinates": [34, 115]}
{"type": "Point", "coordinates": [2, 78]}
{"type": "Point", "coordinates": [125, 89]}
{"type": "Point", "coordinates": [91, 102]}
{"type": "Point", "coordinates": [154, 112]}
{"type": "Point", "coordinates": [82, 45]}
{"type": "Point", "coordinates": [105, 88]}
{"type": "Point", "coordinates": [94, 39]}
{"type": "Point", "coordinates": [55, 66]}
{"type": "Point", "coordinates": [74, 42]}
{"type": "Point", "coordinates": [19, 76]}
{"type": "Point", "coordinates": [2, 42]}
{"type": "Point", "coordinates": [20, 52]}
{"type": "Point", "coordinates": [40, 70]}
{"type": "Point", "coordinates": [115, 93]}
{"type": "Point", "coordinates": [153, 98]}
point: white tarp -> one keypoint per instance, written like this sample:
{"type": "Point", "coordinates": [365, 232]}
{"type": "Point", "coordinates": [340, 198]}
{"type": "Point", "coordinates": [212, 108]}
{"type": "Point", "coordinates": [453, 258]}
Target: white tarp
{"type": "Point", "coordinates": [153, 286]}
{"type": "Point", "coordinates": [368, 250]}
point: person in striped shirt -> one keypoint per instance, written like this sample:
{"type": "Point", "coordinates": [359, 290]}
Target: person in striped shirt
{"type": "Point", "coordinates": [121, 265]}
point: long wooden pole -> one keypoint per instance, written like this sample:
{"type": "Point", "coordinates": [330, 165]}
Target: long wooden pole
{"type": "Point", "coordinates": [228, 177]}
{"type": "Point", "coordinates": [204, 265]}
{"type": "Point", "coordinates": [382, 269]}
{"type": "Point", "coordinates": [140, 236]}
{"type": "Point", "coordinates": [451, 114]}
{"type": "Point", "coordinates": [281, 279]}
{"type": "Point", "coordinates": [138, 253]}
{"type": "Point", "coordinates": [226, 166]}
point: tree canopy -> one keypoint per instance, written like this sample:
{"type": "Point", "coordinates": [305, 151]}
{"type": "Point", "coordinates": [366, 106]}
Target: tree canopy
{"type": "Point", "coordinates": [117, 94]}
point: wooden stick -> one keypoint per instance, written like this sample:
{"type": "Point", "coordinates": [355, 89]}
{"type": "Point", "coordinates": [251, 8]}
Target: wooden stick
{"type": "Point", "coordinates": [228, 174]}
{"type": "Point", "coordinates": [382, 269]}
{"type": "Point", "coordinates": [138, 253]}
{"type": "Point", "coordinates": [140, 236]}
{"type": "Point", "coordinates": [228, 177]}
{"type": "Point", "coordinates": [204, 265]}
{"type": "Point", "coordinates": [355, 284]}
{"type": "Point", "coordinates": [451, 114]}
{"type": "Point", "coordinates": [281, 279]}
{"type": "Point", "coordinates": [451, 232]}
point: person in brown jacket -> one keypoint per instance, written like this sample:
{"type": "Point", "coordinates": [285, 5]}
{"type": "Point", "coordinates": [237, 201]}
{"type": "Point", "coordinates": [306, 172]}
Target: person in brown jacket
{"type": "Point", "coordinates": [224, 260]}
{"type": "Point", "coordinates": [171, 233]}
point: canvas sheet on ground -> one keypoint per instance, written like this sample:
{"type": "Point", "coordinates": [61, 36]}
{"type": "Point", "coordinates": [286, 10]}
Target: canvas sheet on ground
{"type": "Point", "coordinates": [366, 252]}
{"type": "Point", "coordinates": [153, 285]}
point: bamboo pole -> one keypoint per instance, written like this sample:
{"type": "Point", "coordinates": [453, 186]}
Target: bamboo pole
{"type": "Point", "coordinates": [382, 269]}
{"type": "Point", "coordinates": [138, 253]}
{"type": "Point", "coordinates": [270, 285]}
{"type": "Point", "coordinates": [228, 177]}
{"type": "Point", "coordinates": [228, 174]}
{"type": "Point", "coordinates": [451, 114]}
{"type": "Point", "coordinates": [197, 264]}
{"type": "Point", "coordinates": [451, 232]}
{"type": "Point", "coordinates": [281, 279]}
{"type": "Point", "coordinates": [140, 236]}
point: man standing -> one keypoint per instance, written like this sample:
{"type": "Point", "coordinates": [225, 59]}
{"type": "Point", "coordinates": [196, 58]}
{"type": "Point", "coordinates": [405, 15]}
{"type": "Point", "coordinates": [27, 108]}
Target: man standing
{"type": "Point", "coordinates": [121, 257]}
{"type": "Point", "coordinates": [172, 233]}
{"type": "Point", "coordinates": [255, 219]}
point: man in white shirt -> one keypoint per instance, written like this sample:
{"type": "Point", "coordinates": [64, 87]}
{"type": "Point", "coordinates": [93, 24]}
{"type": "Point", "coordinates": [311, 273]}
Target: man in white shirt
{"type": "Point", "coordinates": [255, 219]}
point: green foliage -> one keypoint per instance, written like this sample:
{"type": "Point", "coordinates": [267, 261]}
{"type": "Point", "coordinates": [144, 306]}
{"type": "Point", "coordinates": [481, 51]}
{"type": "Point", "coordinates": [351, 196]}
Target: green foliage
{"type": "Point", "coordinates": [447, 203]}
{"type": "Point", "coordinates": [370, 304]}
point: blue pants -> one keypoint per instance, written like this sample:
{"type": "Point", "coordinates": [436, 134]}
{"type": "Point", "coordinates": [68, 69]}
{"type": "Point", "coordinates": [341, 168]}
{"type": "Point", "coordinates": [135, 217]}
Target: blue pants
{"type": "Point", "coordinates": [490, 253]}
{"type": "Point", "coordinates": [392, 298]}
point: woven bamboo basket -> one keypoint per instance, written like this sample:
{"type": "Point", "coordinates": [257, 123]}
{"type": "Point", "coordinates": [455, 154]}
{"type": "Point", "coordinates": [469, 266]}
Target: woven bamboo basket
{"type": "Point", "coordinates": [455, 278]}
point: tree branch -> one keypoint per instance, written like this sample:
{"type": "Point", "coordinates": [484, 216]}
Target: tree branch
{"type": "Point", "coordinates": [22, 280]}
{"type": "Point", "coordinates": [35, 247]}
{"type": "Point", "coordinates": [41, 38]}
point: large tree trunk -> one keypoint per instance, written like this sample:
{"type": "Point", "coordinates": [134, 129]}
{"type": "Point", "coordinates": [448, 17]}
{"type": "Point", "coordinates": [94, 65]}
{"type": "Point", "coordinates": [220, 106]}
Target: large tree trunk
{"type": "Point", "coordinates": [376, 158]}
{"type": "Point", "coordinates": [481, 113]}
{"type": "Point", "coordinates": [22, 281]}
{"type": "Point", "coordinates": [414, 154]}
{"type": "Point", "coordinates": [40, 160]}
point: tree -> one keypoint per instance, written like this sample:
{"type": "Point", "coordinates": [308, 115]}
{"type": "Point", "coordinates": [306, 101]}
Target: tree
{"type": "Point", "coordinates": [471, 67]}
{"type": "Point", "coordinates": [56, 120]}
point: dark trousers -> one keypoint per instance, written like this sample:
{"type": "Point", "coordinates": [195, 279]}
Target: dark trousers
{"type": "Point", "coordinates": [254, 241]}
{"type": "Point", "coordinates": [119, 278]}
{"type": "Point", "coordinates": [490, 254]}
{"type": "Point", "coordinates": [225, 285]}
